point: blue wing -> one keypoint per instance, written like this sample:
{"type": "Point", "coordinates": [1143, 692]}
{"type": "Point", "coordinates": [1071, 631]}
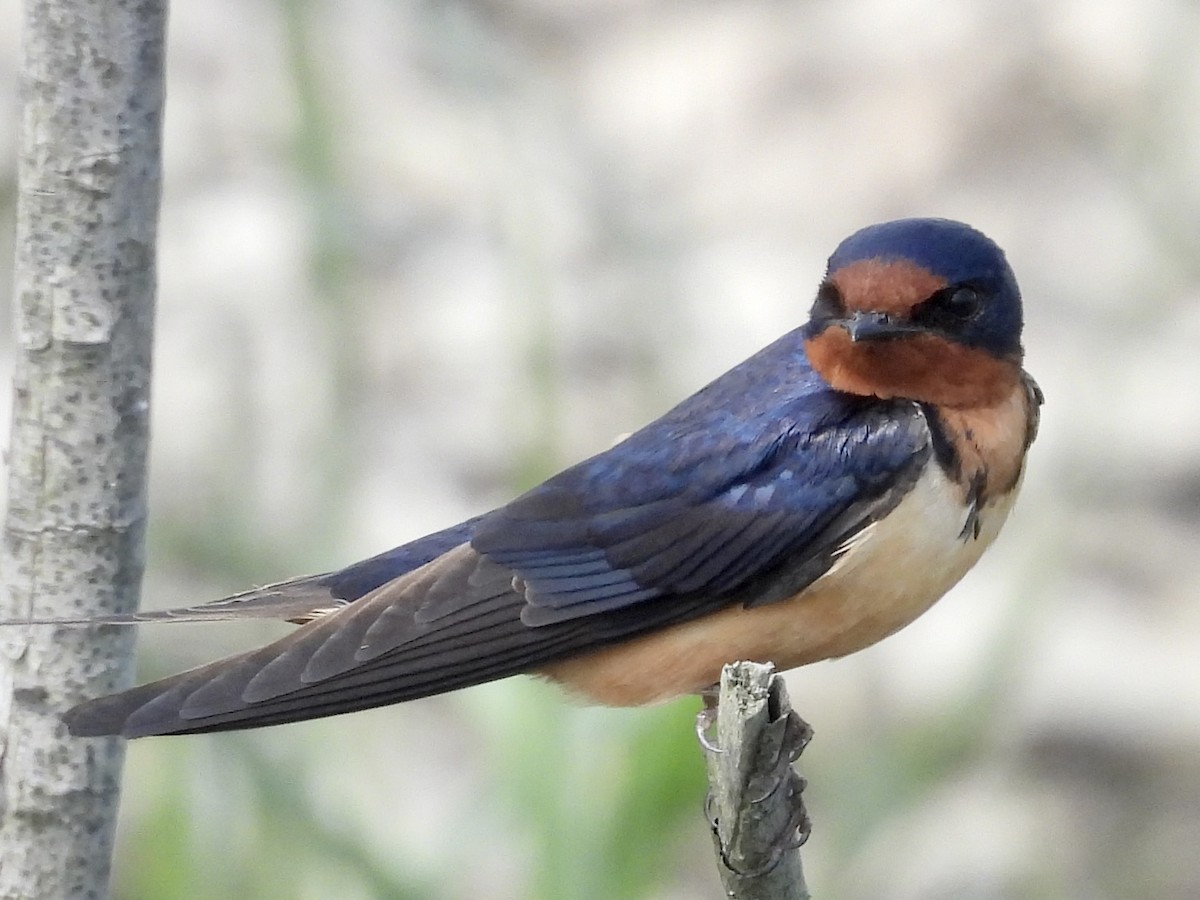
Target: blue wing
{"type": "Point", "coordinates": [763, 466]}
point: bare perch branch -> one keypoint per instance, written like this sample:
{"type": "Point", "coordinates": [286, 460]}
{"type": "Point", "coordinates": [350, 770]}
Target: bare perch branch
{"type": "Point", "coordinates": [89, 174]}
{"type": "Point", "coordinates": [755, 803]}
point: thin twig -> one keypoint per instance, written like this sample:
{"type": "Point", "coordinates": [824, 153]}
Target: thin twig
{"type": "Point", "coordinates": [755, 804]}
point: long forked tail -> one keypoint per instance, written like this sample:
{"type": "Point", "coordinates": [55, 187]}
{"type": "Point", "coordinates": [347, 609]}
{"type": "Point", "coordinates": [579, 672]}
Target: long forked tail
{"type": "Point", "coordinates": [380, 649]}
{"type": "Point", "coordinates": [297, 600]}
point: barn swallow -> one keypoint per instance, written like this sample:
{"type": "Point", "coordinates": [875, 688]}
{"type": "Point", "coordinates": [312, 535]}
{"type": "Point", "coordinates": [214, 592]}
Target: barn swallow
{"type": "Point", "coordinates": [806, 504]}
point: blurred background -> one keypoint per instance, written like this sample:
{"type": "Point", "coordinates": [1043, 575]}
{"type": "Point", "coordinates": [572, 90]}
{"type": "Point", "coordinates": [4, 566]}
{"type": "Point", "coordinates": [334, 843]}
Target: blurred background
{"type": "Point", "coordinates": [417, 256]}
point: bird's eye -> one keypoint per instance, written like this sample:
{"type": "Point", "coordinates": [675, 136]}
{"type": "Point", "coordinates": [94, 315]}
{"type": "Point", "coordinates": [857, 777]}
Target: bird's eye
{"type": "Point", "coordinates": [963, 303]}
{"type": "Point", "coordinates": [950, 309]}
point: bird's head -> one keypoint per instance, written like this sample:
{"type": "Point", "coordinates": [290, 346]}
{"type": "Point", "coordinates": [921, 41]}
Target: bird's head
{"type": "Point", "coordinates": [923, 309]}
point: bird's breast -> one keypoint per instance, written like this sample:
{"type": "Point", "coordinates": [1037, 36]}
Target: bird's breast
{"type": "Point", "coordinates": [885, 576]}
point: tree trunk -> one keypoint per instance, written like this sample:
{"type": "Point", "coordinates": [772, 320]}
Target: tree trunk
{"type": "Point", "coordinates": [89, 173]}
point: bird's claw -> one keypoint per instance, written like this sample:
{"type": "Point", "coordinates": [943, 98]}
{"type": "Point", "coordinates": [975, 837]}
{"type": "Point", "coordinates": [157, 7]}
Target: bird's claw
{"type": "Point", "coordinates": [706, 719]}
{"type": "Point", "coordinates": [795, 735]}
{"type": "Point", "coordinates": [792, 836]}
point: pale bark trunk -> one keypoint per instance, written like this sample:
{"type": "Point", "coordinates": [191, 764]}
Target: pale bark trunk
{"type": "Point", "coordinates": [89, 173]}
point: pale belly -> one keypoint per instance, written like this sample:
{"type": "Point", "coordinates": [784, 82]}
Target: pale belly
{"type": "Point", "coordinates": [889, 575]}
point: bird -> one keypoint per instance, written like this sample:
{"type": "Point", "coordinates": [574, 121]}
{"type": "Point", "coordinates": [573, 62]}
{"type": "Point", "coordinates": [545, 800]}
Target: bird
{"type": "Point", "coordinates": [811, 501]}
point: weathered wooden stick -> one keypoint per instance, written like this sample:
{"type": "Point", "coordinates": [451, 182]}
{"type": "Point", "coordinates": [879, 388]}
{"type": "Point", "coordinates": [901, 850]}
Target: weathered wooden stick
{"type": "Point", "coordinates": [755, 804]}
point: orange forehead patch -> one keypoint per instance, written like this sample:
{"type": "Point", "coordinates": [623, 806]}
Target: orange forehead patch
{"type": "Point", "coordinates": [888, 286]}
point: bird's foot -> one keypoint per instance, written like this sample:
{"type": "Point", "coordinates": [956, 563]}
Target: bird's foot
{"type": "Point", "coordinates": [706, 719]}
{"type": "Point", "coordinates": [794, 734]}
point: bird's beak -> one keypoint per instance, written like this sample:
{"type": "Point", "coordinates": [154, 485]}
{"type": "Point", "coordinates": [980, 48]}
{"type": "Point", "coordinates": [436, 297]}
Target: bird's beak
{"type": "Point", "coordinates": [876, 326]}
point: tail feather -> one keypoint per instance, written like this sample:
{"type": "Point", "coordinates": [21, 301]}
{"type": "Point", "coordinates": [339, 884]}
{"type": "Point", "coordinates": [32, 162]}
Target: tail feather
{"type": "Point", "coordinates": [274, 683]}
{"type": "Point", "coordinates": [297, 600]}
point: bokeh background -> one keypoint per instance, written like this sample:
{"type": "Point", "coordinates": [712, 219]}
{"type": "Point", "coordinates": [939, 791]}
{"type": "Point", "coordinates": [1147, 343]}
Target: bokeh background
{"type": "Point", "coordinates": [417, 256]}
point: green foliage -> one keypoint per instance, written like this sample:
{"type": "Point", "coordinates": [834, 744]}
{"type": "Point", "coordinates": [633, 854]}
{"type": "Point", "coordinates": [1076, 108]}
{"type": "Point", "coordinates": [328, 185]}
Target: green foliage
{"type": "Point", "coordinates": [601, 796]}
